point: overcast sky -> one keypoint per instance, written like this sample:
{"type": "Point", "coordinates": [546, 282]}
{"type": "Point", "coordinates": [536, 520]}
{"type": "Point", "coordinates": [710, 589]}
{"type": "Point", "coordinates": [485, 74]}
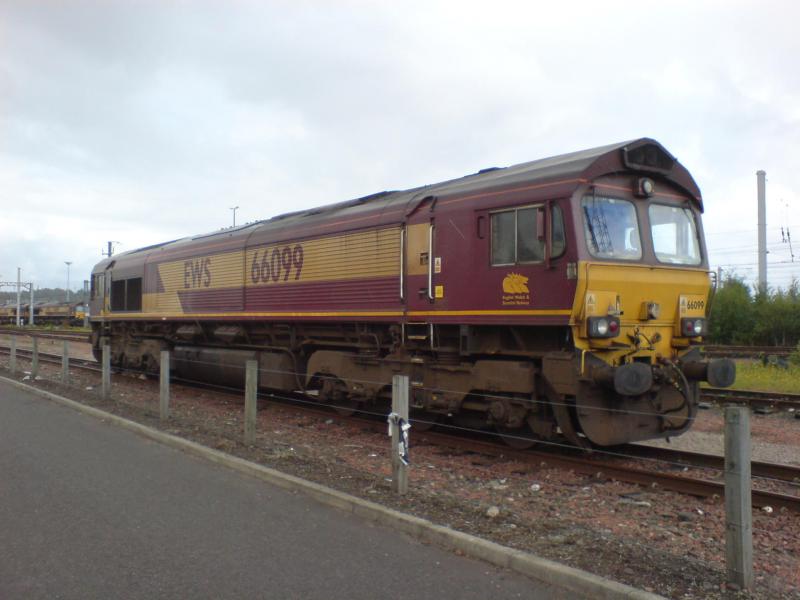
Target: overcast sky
{"type": "Point", "coordinates": [142, 121]}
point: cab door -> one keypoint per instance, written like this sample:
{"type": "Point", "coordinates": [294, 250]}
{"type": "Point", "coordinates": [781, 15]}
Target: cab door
{"type": "Point", "coordinates": [420, 265]}
{"type": "Point", "coordinates": [98, 303]}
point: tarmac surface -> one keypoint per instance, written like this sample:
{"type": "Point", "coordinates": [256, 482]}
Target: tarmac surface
{"type": "Point", "coordinates": [90, 510]}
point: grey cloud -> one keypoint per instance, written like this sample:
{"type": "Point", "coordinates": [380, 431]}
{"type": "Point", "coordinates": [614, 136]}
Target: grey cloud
{"type": "Point", "coordinates": [162, 115]}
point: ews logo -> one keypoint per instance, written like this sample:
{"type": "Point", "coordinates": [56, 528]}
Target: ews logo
{"type": "Point", "coordinates": [197, 273]}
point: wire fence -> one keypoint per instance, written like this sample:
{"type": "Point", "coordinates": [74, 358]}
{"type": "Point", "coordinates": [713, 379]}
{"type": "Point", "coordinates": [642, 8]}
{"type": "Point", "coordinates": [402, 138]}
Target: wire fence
{"type": "Point", "coordinates": [365, 407]}
{"type": "Point", "coordinates": [309, 398]}
{"type": "Point", "coordinates": [486, 394]}
{"type": "Point", "coordinates": [376, 411]}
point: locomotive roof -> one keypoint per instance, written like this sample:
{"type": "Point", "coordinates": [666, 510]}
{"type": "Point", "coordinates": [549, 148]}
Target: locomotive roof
{"type": "Point", "coordinates": [643, 155]}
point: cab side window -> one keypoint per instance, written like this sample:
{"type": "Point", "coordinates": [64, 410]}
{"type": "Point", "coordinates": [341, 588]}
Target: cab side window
{"type": "Point", "coordinates": [517, 237]}
{"type": "Point", "coordinates": [126, 294]}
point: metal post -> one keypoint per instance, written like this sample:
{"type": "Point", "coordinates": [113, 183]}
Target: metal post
{"type": "Point", "coordinates": [250, 401]}
{"type": "Point", "coordinates": [761, 180]}
{"type": "Point", "coordinates": [400, 408]}
{"type": "Point", "coordinates": [163, 404]}
{"type": "Point", "coordinates": [86, 303]}
{"type": "Point", "coordinates": [35, 358]}
{"type": "Point", "coordinates": [19, 295]}
{"type": "Point", "coordinates": [65, 363]}
{"type": "Point", "coordinates": [12, 361]}
{"type": "Point", "coordinates": [106, 377]}
{"type": "Point", "coordinates": [738, 502]}
{"type": "Point", "coordinates": [30, 316]}
{"type": "Point", "coordinates": [68, 263]}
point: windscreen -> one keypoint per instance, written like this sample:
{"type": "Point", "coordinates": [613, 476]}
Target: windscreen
{"type": "Point", "coordinates": [611, 228]}
{"type": "Point", "coordinates": [674, 234]}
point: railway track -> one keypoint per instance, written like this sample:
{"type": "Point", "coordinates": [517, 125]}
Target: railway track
{"type": "Point", "coordinates": [717, 351]}
{"type": "Point", "coordinates": [613, 468]}
{"type": "Point", "coordinates": [613, 465]}
{"type": "Point", "coordinates": [55, 334]}
{"type": "Point", "coordinates": [752, 398]}
{"type": "Point", "coordinates": [765, 470]}
{"type": "Point", "coordinates": [55, 359]}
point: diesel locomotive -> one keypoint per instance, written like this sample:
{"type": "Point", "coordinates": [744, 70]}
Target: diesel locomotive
{"type": "Point", "coordinates": [55, 313]}
{"type": "Point", "coordinates": [560, 299]}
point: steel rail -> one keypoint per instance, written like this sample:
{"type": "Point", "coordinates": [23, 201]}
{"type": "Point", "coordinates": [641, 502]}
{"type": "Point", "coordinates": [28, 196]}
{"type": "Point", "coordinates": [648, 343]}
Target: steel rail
{"type": "Point", "coordinates": [71, 336]}
{"type": "Point", "coordinates": [607, 470]}
{"type": "Point", "coordinates": [765, 470]}
{"type": "Point", "coordinates": [729, 351]}
{"type": "Point", "coordinates": [751, 397]}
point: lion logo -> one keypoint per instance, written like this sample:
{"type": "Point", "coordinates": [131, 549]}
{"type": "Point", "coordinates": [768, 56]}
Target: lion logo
{"type": "Point", "coordinates": [514, 283]}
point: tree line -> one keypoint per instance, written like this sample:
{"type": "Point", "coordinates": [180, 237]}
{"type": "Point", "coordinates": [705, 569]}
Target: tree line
{"type": "Point", "coordinates": [43, 295]}
{"type": "Point", "coordinates": [741, 316]}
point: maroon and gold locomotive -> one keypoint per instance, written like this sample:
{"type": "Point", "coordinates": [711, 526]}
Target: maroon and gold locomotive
{"type": "Point", "coordinates": [563, 298]}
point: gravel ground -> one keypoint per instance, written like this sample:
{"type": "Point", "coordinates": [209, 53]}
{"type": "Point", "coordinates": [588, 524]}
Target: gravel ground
{"type": "Point", "coordinates": [659, 541]}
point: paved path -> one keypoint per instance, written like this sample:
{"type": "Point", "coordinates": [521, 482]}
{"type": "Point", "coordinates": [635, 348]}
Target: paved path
{"type": "Point", "coordinates": [89, 510]}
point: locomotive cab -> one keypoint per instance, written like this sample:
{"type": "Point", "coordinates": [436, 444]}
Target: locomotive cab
{"type": "Point", "coordinates": [639, 316]}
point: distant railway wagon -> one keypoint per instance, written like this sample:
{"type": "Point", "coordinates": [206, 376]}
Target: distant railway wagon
{"type": "Point", "coordinates": [563, 298]}
{"type": "Point", "coordinates": [64, 313]}
{"type": "Point", "coordinates": [61, 313]}
{"type": "Point", "coordinates": [8, 313]}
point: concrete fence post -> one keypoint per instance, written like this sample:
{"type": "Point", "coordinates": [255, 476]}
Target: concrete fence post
{"type": "Point", "coordinates": [738, 499]}
{"type": "Point", "coordinates": [400, 411]}
{"type": "Point", "coordinates": [34, 357]}
{"type": "Point", "coordinates": [250, 401]}
{"type": "Point", "coordinates": [65, 363]}
{"type": "Point", "coordinates": [106, 376]}
{"type": "Point", "coordinates": [163, 404]}
{"type": "Point", "coordinates": [12, 360]}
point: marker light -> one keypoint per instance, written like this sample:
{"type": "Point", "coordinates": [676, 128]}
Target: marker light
{"type": "Point", "coordinates": [693, 327]}
{"type": "Point", "coordinates": [644, 187]}
{"type": "Point", "coordinates": [602, 327]}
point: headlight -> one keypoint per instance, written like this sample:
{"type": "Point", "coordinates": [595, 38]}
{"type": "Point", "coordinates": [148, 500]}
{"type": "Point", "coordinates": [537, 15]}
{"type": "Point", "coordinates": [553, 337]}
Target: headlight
{"type": "Point", "coordinates": [603, 327]}
{"type": "Point", "coordinates": [693, 327]}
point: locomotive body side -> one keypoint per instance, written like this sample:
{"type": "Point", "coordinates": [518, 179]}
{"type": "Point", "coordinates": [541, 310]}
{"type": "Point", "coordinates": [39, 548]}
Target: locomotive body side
{"type": "Point", "coordinates": [488, 291]}
{"type": "Point", "coordinates": [8, 313]}
{"type": "Point", "coordinates": [53, 312]}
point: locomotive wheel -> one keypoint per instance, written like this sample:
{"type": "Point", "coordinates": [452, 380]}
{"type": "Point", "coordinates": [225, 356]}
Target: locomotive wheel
{"type": "Point", "coordinates": [521, 438]}
{"type": "Point", "coordinates": [345, 407]}
{"type": "Point", "coordinates": [333, 392]}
